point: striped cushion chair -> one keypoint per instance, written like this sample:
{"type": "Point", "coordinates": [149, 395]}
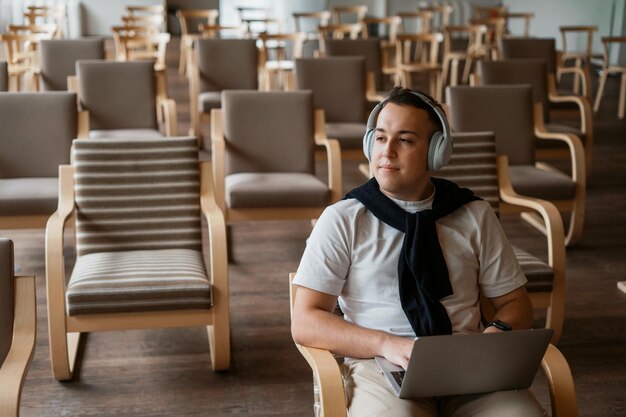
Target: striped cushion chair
{"type": "Point", "coordinates": [140, 264]}
{"type": "Point", "coordinates": [474, 165]}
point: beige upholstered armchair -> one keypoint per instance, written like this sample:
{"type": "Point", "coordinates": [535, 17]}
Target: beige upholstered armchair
{"type": "Point", "coordinates": [18, 325]}
{"type": "Point", "coordinates": [339, 88]}
{"type": "Point", "coordinates": [330, 397]}
{"type": "Point", "coordinates": [36, 133]}
{"type": "Point", "coordinates": [509, 112]}
{"type": "Point", "coordinates": [124, 100]}
{"type": "Point", "coordinates": [264, 162]}
{"type": "Point", "coordinates": [137, 205]}
{"type": "Point", "coordinates": [58, 60]}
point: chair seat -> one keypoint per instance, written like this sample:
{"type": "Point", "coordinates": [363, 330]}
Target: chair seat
{"type": "Point", "coordinates": [254, 190]}
{"type": "Point", "coordinates": [28, 196]}
{"type": "Point", "coordinates": [209, 100]}
{"type": "Point", "coordinates": [125, 134]}
{"type": "Point", "coordinates": [133, 281]}
{"type": "Point", "coordinates": [547, 185]}
{"type": "Point", "coordinates": [538, 273]}
{"type": "Point", "coordinates": [349, 135]}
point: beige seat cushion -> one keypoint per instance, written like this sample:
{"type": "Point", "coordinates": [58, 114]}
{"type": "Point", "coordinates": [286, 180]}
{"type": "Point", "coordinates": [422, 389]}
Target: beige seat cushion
{"type": "Point", "coordinates": [538, 273]}
{"type": "Point", "coordinates": [125, 134]}
{"type": "Point", "coordinates": [145, 280]}
{"type": "Point", "coordinates": [250, 190]}
{"type": "Point", "coordinates": [349, 135]}
{"type": "Point", "coordinates": [28, 196]}
{"type": "Point", "coordinates": [533, 182]}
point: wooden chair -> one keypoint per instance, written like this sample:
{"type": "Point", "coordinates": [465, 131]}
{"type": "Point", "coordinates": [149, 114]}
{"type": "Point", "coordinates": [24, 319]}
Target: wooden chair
{"type": "Point", "coordinates": [276, 72]}
{"type": "Point", "coordinates": [489, 108]}
{"type": "Point", "coordinates": [18, 329]}
{"type": "Point", "coordinates": [461, 43]}
{"type": "Point", "coordinates": [391, 27]}
{"type": "Point", "coordinates": [354, 12]}
{"type": "Point", "coordinates": [22, 58]}
{"type": "Point", "coordinates": [138, 106]}
{"type": "Point", "coordinates": [185, 17]}
{"type": "Point", "coordinates": [337, 31]}
{"type": "Point", "coordinates": [525, 17]}
{"type": "Point", "coordinates": [155, 232]}
{"type": "Point", "coordinates": [36, 135]}
{"type": "Point", "coordinates": [142, 46]}
{"type": "Point", "coordinates": [417, 54]}
{"type": "Point", "coordinates": [56, 14]}
{"type": "Point", "coordinates": [253, 179]}
{"type": "Point", "coordinates": [308, 22]}
{"type": "Point", "coordinates": [219, 32]}
{"type": "Point", "coordinates": [330, 397]}
{"type": "Point", "coordinates": [418, 21]}
{"type": "Point", "coordinates": [440, 15]}
{"type": "Point", "coordinates": [608, 68]}
{"type": "Point", "coordinates": [492, 43]}
{"type": "Point", "coordinates": [573, 36]}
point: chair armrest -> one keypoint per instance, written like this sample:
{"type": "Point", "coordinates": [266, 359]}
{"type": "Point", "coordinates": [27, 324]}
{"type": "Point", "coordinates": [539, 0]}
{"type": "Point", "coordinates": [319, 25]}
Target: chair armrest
{"type": "Point", "coordinates": [577, 71]}
{"type": "Point", "coordinates": [333, 154]}
{"type": "Point", "coordinates": [218, 157]}
{"type": "Point", "coordinates": [560, 383]}
{"type": "Point", "coordinates": [15, 366]}
{"type": "Point", "coordinates": [55, 262]}
{"type": "Point", "coordinates": [217, 238]}
{"type": "Point", "coordinates": [328, 376]}
{"type": "Point", "coordinates": [82, 129]}
{"type": "Point", "coordinates": [584, 106]}
{"type": "Point", "coordinates": [573, 142]}
{"type": "Point", "coordinates": [167, 108]}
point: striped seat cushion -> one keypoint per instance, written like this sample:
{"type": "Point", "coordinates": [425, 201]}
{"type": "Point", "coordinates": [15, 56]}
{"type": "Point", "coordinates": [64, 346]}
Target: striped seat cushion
{"type": "Point", "coordinates": [136, 194]}
{"type": "Point", "coordinates": [538, 273]}
{"type": "Point", "coordinates": [132, 281]}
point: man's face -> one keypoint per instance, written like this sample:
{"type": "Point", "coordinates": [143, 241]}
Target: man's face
{"type": "Point", "coordinates": [400, 152]}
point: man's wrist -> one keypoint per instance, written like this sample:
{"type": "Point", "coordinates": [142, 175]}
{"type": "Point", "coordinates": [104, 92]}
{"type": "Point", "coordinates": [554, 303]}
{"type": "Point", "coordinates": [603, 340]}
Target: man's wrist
{"type": "Point", "coordinates": [500, 325]}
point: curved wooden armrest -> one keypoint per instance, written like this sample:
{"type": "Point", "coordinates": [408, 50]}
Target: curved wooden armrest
{"type": "Point", "coordinates": [560, 383]}
{"type": "Point", "coordinates": [83, 124]}
{"type": "Point", "coordinates": [584, 76]}
{"type": "Point", "coordinates": [168, 110]}
{"type": "Point", "coordinates": [328, 376]}
{"type": "Point", "coordinates": [333, 154]}
{"type": "Point", "coordinates": [218, 156]}
{"type": "Point", "coordinates": [573, 142]}
{"type": "Point", "coordinates": [15, 366]}
{"type": "Point", "coordinates": [584, 106]}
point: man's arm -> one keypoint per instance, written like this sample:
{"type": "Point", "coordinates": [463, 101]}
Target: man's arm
{"type": "Point", "coordinates": [314, 324]}
{"type": "Point", "coordinates": [513, 308]}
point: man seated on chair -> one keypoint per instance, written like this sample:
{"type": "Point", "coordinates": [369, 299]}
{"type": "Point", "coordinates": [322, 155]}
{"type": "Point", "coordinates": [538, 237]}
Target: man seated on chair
{"type": "Point", "coordinates": [407, 255]}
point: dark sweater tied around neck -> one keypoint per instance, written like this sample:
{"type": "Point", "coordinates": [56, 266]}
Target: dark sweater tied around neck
{"type": "Point", "coordinates": [422, 270]}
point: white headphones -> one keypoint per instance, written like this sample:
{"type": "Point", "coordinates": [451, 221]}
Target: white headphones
{"type": "Point", "coordinates": [440, 145]}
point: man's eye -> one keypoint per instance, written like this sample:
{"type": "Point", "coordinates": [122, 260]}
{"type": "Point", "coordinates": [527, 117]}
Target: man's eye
{"type": "Point", "coordinates": [406, 140]}
{"type": "Point", "coordinates": [379, 138]}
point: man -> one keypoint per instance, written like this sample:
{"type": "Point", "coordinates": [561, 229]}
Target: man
{"type": "Point", "coordinates": [407, 255]}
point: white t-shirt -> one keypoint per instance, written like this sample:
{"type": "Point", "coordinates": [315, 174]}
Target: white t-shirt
{"type": "Point", "coordinates": [354, 255]}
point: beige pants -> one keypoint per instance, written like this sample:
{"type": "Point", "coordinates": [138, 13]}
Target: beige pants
{"type": "Point", "coordinates": [369, 394]}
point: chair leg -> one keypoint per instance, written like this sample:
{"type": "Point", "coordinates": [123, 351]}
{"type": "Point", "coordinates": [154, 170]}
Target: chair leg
{"type": "Point", "coordinates": [577, 219]}
{"type": "Point", "coordinates": [622, 96]}
{"type": "Point", "coordinates": [219, 343]}
{"type": "Point", "coordinates": [600, 93]}
{"type": "Point", "coordinates": [63, 352]}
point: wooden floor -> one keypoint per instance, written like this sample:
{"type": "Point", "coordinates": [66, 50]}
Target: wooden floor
{"type": "Point", "coordinates": [168, 372]}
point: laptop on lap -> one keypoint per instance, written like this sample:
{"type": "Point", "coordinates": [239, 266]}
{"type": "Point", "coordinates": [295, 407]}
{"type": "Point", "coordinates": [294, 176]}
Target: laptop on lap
{"type": "Point", "coordinates": [469, 363]}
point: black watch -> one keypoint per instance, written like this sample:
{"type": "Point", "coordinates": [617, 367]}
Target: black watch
{"type": "Point", "coordinates": [499, 324]}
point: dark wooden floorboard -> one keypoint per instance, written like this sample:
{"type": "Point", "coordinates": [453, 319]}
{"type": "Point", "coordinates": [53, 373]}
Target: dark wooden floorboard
{"type": "Point", "coordinates": [168, 372]}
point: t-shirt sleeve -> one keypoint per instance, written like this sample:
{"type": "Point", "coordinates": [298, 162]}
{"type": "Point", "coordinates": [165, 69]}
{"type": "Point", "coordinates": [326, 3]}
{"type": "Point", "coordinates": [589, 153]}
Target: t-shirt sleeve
{"type": "Point", "coordinates": [326, 259]}
{"type": "Point", "coordinates": [500, 272]}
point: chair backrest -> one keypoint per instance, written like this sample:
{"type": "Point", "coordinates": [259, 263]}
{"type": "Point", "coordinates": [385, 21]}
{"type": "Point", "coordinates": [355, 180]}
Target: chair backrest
{"type": "Point", "coordinates": [518, 71]}
{"type": "Point", "coordinates": [473, 164]}
{"type": "Point", "coordinates": [58, 59]}
{"type": "Point", "coordinates": [189, 20]}
{"type": "Point", "coordinates": [227, 64]}
{"type": "Point", "coordinates": [367, 48]}
{"type": "Point", "coordinates": [4, 76]}
{"type": "Point", "coordinates": [36, 134]}
{"type": "Point", "coordinates": [531, 48]}
{"type": "Point", "coordinates": [280, 138]}
{"type": "Point", "coordinates": [338, 85]}
{"type": "Point", "coordinates": [7, 301]}
{"type": "Point", "coordinates": [506, 110]}
{"type": "Point", "coordinates": [354, 13]}
{"type": "Point", "coordinates": [136, 194]}
{"type": "Point", "coordinates": [118, 95]}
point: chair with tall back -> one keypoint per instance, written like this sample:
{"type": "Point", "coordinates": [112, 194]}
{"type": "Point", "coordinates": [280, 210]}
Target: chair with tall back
{"type": "Point", "coordinates": [124, 99]}
{"type": "Point", "coordinates": [509, 112]}
{"type": "Point", "coordinates": [216, 65]}
{"type": "Point", "coordinates": [339, 88]}
{"type": "Point", "coordinates": [18, 325]}
{"type": "Point", "coordinates": [534, 72]}
{"type": "Point", "coordinates": [137, 205]}
{"type": "Point", "coordinates": [254, 180]}
{"type": "Point", "coordinates": [36, 135]}
{"type": "Point", "coordinates": [189, 21]}
{"type": "Point", "coordinates": [58, 60]}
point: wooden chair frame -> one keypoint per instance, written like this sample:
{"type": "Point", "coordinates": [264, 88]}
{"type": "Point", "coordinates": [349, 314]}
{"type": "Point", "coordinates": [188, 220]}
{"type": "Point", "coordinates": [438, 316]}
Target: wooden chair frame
{"type": "Point", "coordinates": [337, 31]}
{"type": "Point", "coordinates": [451, 58]}
{"type": "Point", "coordinates": [218, 143]}
{"type": "Point", "coordinates": [57, 12]}
{"type": "Point", "coordinates": [65, 331]}
{"type": "Point", "coordinates": [359, 10]}
{"type": "Point", "coordinates": [426, 59]}
{"type": "Point", "coordinates": [22, 58]}
{"type": "Point", "coordinates": [278, 73]}
{"type": "Point", "coordinates": [186, 37]}
{"type": "Point", "coordinates": [327, 377]}
{"type": "Point", "coordinates": [582, 59]}
{"type": "Point", "coordinates": [607, 69]}
{"type": "Point", "coordinates": [13, 370]}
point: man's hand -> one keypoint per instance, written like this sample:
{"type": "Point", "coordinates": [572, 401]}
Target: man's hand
{"type": "Point", "coordinates": [397, 350]}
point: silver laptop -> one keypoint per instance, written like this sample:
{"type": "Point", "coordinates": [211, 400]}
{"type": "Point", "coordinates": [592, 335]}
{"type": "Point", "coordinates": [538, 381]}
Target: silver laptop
{"type": "Point", "coordinates": [469, 364]}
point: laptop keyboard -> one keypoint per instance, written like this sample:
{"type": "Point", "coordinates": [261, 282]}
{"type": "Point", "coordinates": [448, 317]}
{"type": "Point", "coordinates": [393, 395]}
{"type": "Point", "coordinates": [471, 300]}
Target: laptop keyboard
{"type": "Point", "coordinates": [398, 376]}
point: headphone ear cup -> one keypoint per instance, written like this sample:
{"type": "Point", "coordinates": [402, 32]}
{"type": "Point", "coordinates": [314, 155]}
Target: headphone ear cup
{"type": "Point", "coordinates": [368, 142]}
{"type": "Point", "coordinates": [439, 151]}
